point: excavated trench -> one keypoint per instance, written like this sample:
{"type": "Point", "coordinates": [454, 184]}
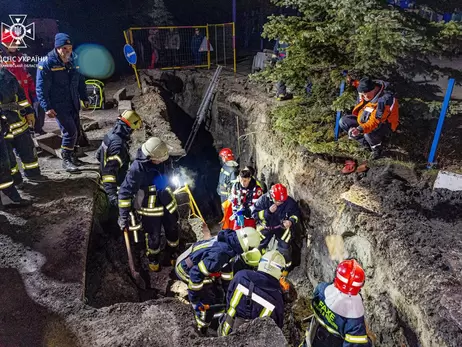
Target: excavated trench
{"type": "Point", "coordinates": [406, 236]}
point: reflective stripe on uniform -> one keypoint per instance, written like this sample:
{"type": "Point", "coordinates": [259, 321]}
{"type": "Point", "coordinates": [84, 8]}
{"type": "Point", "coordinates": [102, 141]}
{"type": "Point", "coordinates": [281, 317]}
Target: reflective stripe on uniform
{"type": "Point", "coordinates": [225, 172]}
{"type": "Point", "coordinates": [15, 170]}
{"type": "Point", "coordinates": [109, 179]}
{"type": "Point", "coordinates": [171, 207]}
{"type": "Point", "coordinates": [151, 201]}
{"type": "Point", "coordinates": [57, 68]}
{"type": "Point", "coordinates": [200, 322]}
{"type": "Point", "coordinates": [257, 298]}
{"type": "Point", "coordinates": [152, 188]}
{"type": "Point", "coordinates": [151, 214]}
{"type": "Point", "coordinates": [195, 286]}
{"type": "Point", "coordinates": [203, 268]}
{"type": "Point", "coordinates": [115, 157]}
{"type": "Point", "coordinates": [67, 148]}
{"type": "Point", "coordinates": [329, 329]}
{"type": "Point", "coordinates": [173, 243]}
{"type": "Point", "coordinates": [261, 215]}
{"type": "Point", "coordinates": [20, 130]}
{"type": "Point", "coordinates": [18, 124]}
{"type": "Point", "coordinates": [294, 217]}
{"type": "Point", "coordinates": [227, 276]}
{"type": "Point", "coordinates": [204, 245]}
{"type": "Point", "coordinates": [356, 339]}
{"type": "Point", "coordinates": [125, 203]}
{"type": "Point", "coordinates": [29, 166]}
{"type": "Point", "coordinates": [6, 185]}
{"type": "Point", "coordinates": [24, 103]}
{"type": "Point", "coordinates": [181, 273]}
{"type": "Point", "coordinates": [286, 236]}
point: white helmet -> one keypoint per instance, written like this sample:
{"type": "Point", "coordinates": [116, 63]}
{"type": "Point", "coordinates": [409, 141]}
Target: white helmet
{"type": "Point", "coordinates": [155, 149]}
{"type": "Point", "coordinates": [272, 263]}
{"type": "Point", "coordinates": [248, 238]}
{"type": "Point", "coordinates": [252, 257]}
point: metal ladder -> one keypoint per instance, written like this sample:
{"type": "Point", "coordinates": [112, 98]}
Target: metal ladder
{"type": "Point", "coordinates": [205, 109]}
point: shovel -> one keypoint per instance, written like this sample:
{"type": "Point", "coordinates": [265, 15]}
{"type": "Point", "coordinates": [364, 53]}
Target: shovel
{"type": "Point", "coordinates": [136, 275]}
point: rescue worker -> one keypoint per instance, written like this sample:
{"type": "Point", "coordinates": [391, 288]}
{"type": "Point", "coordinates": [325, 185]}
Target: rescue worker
{"type": "Point", "coordinates": [19, 114]}
{"type": "Point", "coordinates": [276, 214]}
{"type": "Point", "coordinates": [60, 87]}
{"type": "Point", "coordinates": [25, 80]}
{"type": "Point", "coordinates": [206, 268]}
{"type": "Point", "coordinates": [6, 180]}
{"type": "Point", "coordinates": [228, 173]}
{"type": "Point", "coordinates": [252, 294]}
{"type": "Point", "coordinates": [143, 195]}
{"type": "Point", "coordinates": [373, 117]}
{"type": "Point", "coordinates": [114, 154]}
{"type": "Point", "coordinates": [339, 311]}
{"type": "Point", "coordinates": [244, 193]}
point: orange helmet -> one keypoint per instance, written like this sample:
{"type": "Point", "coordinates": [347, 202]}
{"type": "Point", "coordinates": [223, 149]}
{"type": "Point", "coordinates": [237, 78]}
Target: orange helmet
{"type": "Point", "coordinates": [226, 154]}
{"type": "Point", "coordinates": [350, 277]}
{"type": "Point", "coordinates": [279, 192]}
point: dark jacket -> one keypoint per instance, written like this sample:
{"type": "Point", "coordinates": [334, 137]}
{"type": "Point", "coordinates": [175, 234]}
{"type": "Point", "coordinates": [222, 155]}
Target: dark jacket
{"type": "Point", "coordinates": [265, 287]}
{"type": "Point", "coordinates": [228, 176]}
{"type": "Point", "coordinates": [13, 104]}
{"type": "Point", "coordinates": [287, 211]}
{"type": "Point", "coordinates": [206, 258]}
{"type": "Point", "coordinates": [196, 42]}
{"type": "Point", "coordinates": [114, 158]}
{"type": "Point", "coordinates": [341, 317]}
{"type": "Point", "coordinates": [146, 190]}
{"type": "Point", "coordinates": [60, 86]}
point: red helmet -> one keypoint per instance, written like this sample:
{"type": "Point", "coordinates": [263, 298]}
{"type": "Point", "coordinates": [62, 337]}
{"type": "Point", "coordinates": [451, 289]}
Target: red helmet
{"type": "Point", "coordinates": [226, 154]}
{"type": "Point", "coordinates": [350, 277]}
{"type": "Point", "coordinates": [279, 192]}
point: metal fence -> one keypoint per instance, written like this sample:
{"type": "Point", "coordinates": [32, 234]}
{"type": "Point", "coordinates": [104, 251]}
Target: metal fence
{"type": "Point", "coordinates": [183, 47]}
{"type": "Point", "coordinates": [223, 42]}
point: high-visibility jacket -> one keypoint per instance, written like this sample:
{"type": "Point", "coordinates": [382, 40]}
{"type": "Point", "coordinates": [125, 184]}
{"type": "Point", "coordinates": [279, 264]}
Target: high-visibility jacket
{"type": "Point", "coordinates": [114, 158]}
{"type": "Point", "coordinates": [14, 105]}
{"type": "Point", "coordinates": [145, 189]}
{"type": "Point", "coordinates": [252, 294]}
{"type": "Point", "coordinates": [340, 316]}
{"type": "Point", "coordinates": [208, 259]}
{"type": "Point", "coordinates": [228, 175]}
{"type": "Point", "coordinates": [24, 78]}
{"type": "Point", "coordinates": [382, 108]}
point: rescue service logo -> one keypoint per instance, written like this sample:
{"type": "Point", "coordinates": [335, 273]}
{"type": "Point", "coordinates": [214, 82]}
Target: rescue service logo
{"type": "Point", "coordinates": [14, 35]}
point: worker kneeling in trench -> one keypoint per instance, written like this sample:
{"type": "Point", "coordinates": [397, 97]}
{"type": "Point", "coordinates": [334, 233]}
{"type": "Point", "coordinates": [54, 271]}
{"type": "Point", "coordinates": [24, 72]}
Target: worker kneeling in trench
{"type": "Point", "coordinates": [154, 202]}
{"type": "Point", "coordinates": [206, 267]}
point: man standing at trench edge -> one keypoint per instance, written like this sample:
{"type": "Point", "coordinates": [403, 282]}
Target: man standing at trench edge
{"type": "Point", "coordinates": [60, 87]}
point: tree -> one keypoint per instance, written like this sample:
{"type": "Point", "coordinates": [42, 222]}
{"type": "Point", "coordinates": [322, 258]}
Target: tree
{"type": "Point", "coordinates": [365, 37]}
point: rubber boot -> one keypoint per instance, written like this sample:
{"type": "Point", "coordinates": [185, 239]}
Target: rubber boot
{"type": "Point", "coordinates": [68, 165]}
{"type": "Point", "coordinates": [16, 200]}
{"type": "Point", "coordinates": [76, 161]}
{"type": "Point", "coordinates": [376, 152]}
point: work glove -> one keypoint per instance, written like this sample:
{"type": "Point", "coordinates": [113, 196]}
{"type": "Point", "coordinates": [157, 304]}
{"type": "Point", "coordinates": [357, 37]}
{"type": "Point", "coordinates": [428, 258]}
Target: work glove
{"type": "Point", "coordinates": [30, 119]}
{"type": "Point", "coordinates": [199, 307]}
{"type": "Point", "coordinates": [123, 223]}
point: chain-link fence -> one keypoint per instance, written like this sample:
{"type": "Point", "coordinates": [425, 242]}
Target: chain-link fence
{"type": "Point", "coordinates": [182, 47]}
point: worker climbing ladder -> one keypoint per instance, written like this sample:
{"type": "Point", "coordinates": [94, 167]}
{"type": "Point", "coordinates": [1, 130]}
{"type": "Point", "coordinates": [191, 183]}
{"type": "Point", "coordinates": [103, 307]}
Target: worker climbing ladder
{"type": "Point", "coordinates": [205, 109]}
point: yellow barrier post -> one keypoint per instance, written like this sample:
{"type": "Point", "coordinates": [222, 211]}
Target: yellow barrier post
{"type": "Point", "coordinates": [208, 45]}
